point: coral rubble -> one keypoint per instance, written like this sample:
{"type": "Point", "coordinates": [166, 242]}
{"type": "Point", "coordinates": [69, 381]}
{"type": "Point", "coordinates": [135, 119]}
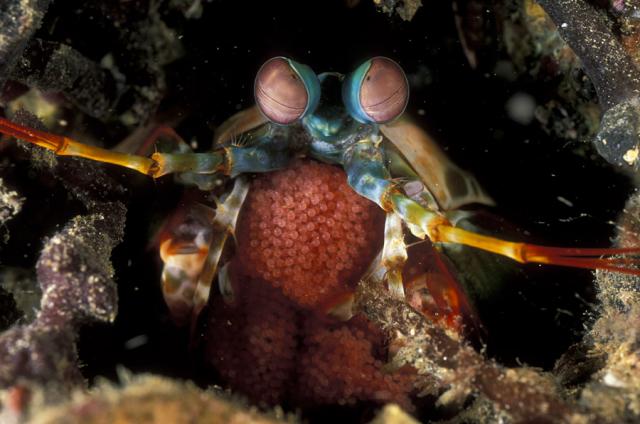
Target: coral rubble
{"type": "Point", "coordinates": [10, 205]}
{"type": "Point", "coordinates": [76, 280]}
{"type": "Point", "coordinates": [615, 336]}
{"type": "Point", "coordinates": [149, 399]}
{"type": "Point", "coordinates": [612, 71]}
{"type": "Point", "coordinates": [405, 9]}
{"type": "Point", "coordinates": [75, 276]}
{"type": "Point", "coordinates": [18, 21]}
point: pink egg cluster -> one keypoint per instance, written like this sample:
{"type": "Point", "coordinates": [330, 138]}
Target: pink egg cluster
{"type": "Point", "coordinates": [266, 348]}
{"type": "Point", "coordinates": [252, 343]}
{"type": "Point", "coordinates": [344, 364]}
{"type": "Point", "coordinates": [307, 232]}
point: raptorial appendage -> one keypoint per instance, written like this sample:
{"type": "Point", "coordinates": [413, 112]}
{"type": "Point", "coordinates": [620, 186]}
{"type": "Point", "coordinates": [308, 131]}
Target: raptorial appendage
{"type": "Point", "coordinates": [191, 253]}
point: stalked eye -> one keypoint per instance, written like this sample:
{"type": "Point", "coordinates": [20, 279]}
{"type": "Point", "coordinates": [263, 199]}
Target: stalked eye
{"type": "Point", "coordinates": [376, 92]}
{"type": "Point", "coordinates": [286, 90]}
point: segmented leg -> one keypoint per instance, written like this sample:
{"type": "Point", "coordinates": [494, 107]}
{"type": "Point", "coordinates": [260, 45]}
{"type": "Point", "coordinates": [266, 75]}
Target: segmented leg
{"type": "Point", "coordinates": [184, 250]}
{"type": "Point", "coordinates": [224, 225]}
{"type": "Point", "coordinates": [394, 254]}
{"type": "Point", "coordinates": [192, 253]}
{"type": "Point", "coordinates": [367, 174]}
{"type": "Point", "coordinates": [164, 140]}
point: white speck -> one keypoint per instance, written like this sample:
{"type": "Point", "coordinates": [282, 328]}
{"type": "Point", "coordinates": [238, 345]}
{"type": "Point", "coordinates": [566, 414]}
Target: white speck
{"type": "Point", "coordinates": [521, 107]}
{"type": "Point", "coordinates": [136, 342]}
{"type": "Point", "coordinates": [631, 156]}
{"type": "Point", "coordinates": [564, 25]}
{"type": "Point", "coordinates": [565, 201]}
{"type": "Point", "coordinates": [613, 381]}
{"type": "Point", "coordinates": [422, 112]}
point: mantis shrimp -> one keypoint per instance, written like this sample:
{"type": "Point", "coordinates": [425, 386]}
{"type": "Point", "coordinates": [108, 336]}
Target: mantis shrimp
{"type": "Point", "coordinates": [355, 122]}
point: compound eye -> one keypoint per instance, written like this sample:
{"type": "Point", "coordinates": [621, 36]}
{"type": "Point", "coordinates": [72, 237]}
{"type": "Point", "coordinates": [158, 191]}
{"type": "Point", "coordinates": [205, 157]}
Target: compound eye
{"type": "Point", "coordinates": [384, 92]}
{"type": "Point", "coordinates": [284, 90]}
{"type": "Point", "coordinates": [377, 91]}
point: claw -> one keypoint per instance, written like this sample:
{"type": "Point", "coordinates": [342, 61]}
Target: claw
{"type": "Point", "coordinates": [191, 254]}
{"type": "Point", "coordinates": [420, 272]}
{"type": "Point", "coordinates": [394, 254]}
{"type": "Point", "coordinates": [223, 225]}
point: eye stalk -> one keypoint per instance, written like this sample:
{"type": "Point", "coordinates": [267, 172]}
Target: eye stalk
{"type": "Point", "coordinates": [376, 92]}
{"type": "Point", "coordinates": [285, 90]}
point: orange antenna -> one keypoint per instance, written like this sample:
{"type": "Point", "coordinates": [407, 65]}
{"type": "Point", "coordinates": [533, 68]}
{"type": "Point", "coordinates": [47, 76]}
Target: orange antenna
{"type": "Point", "coordinates": [157, 165]}
{"type": "Point", "coordinates": [426, 223]}
{"type": "Point", "coordinates": [64, 146]}
{"type": "Point", "coordinates": [606, 258]}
